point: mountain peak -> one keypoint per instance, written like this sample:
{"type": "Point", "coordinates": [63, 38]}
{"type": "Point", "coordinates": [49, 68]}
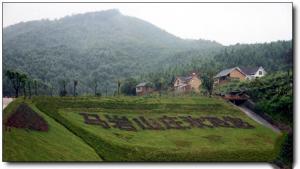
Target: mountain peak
{"type": "Point", "coordinates": [104, 13]}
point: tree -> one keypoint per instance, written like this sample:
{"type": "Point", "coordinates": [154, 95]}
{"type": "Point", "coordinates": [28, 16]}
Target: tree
{"type": "Point", "coordinates": [23, 80]}
{"type": "Point", "coordinates": [51, 90]}
{"type": "Point", "coordinates": [119, 84]}
{"type": "Point", "coordinates": [29, 81]}
{"type": "Point", "coordinates": [128, 87]}
{"type": "Point", "coordinates": [75, 85]}
{"type": "Point", "coordinates": [50, 87]}
{"type": "Point", "coordinates": [209, 70]}
{"type": "Point", "coordinates": [35, 86]}
{"type": "Point", "coordinates": [17, 80]}
{"type": "Point", "coordinates": [95, 76]}
{"type": "Point", "coordinates": [172, 80]}
{"type": "Point", "coordinates": [95, 86]}
{"type": "Point", "coordinates": [63, 91]}
{"type": "Point", "coordinates": [158, 83]}
{"type": "Point", "coordinates": [289, 60]}
{"type": "Point", "coordinates": [208, 83]}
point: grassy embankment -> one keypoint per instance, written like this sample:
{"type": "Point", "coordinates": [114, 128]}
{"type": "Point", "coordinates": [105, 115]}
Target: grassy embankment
{"type": "Point", "coordinates": [57, 144]}
{"type": "Point", "coordinates": [196, 144]}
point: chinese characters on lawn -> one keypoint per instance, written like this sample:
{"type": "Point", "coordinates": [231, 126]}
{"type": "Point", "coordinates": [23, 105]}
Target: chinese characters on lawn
{"type": "Point", "coordinates": [164, 122]}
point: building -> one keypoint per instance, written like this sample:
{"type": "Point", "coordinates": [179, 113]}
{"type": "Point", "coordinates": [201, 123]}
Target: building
{"type": "Point", "coordinates": [254, 72]}
{"type": "Point", "coordinates": [143, 88]}
{"type": "Point", "coordinates": [229, 74]}
{"type": "Point", "coordinates": [187, 84]}
{"type": "Point", "coordinates": [238, 73]}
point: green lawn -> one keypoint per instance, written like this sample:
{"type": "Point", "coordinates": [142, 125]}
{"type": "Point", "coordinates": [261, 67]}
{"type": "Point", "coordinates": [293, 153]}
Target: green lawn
{"type": "Point", "coordinates": [58, 144]}
{"type": "Point", "coordinates": [113, 144]}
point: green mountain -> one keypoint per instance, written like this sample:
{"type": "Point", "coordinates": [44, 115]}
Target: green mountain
{"type": "Point", "coordinates": [105, 45]}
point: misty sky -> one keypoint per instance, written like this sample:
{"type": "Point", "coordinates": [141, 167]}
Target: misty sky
{"type": "Point", "coordinates": [227, 23]}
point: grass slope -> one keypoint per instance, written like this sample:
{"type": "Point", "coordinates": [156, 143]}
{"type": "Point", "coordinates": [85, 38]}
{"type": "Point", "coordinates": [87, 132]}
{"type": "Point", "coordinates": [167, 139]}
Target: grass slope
{"type": "Point", "coordinates": [216, 144]}
{"type": "Point", "coordinates": [58, 144]}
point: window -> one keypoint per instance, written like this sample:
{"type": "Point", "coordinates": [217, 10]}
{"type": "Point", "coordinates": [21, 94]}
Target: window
{"type": "Point", "coordinates": [260, 72]}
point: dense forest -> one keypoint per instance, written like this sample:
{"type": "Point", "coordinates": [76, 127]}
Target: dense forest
{"type": "Point", "coordinates": [101, 46]}
{"type": "Point", "coordinates": [100, 51]}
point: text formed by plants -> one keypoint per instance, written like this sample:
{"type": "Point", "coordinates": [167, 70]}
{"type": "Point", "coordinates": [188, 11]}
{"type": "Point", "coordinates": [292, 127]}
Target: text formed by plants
{"type": "Point", "coordinates": [164, 122]}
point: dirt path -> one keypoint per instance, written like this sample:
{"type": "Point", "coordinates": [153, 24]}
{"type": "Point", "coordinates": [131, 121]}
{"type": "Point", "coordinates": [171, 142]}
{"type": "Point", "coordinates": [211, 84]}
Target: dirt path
{"type": "Point", "coordinates": [257, 118]}
{"type": "Point", "coordinates": [6, 101]}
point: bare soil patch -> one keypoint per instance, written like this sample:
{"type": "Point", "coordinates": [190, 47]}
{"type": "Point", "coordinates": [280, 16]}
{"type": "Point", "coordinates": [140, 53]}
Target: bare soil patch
{"type": "Point", "coordinates": [25, 117]}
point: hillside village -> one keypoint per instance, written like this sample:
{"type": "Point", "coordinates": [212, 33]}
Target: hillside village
{"type": "Point", "coordinates": [193, 82]}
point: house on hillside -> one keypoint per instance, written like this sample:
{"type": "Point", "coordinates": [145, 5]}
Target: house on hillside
{"type": "Point", "coordinates": [187, 84]}
{"type": "Point", "coordinates": [253, 72]}
{"type": "Point", "coordinates": [239, 73]}
{"type": "Point", "coordinates": [229, 74]}
{"type": "Point", "coordinates": [143, 88]}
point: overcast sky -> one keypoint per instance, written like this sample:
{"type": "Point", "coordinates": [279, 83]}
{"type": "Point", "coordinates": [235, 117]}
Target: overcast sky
{"type": "Point", "coordinates": [227, 23]}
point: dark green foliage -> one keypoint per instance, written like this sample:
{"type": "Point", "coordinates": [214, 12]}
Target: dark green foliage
{"type": "Point", "coordinates": [208, 82]}
{"type": "Point", "coordinates": [75, 85]}
{"type": "Point", "coordinates": [119, 85]}
{"type": "Point", "coordinates": [159, 83]}
{"type": "Point", "coordinates": [209, 70]}
{"type": "Point", "coordinates": [35, 87]}
{"type": "Point", "coordinates": [17, 79]}
{"type": "Point", "coordinates": [29, 82]}
{"type": "Point", "coordinates": [128, 87]}
{"type": "Point", "coordinates": [63, 91]}
{"type": "Point", "coordinates": [272, 93]}
{"type": "Point", "coordinates": [24, 79]}
{"type": "Point", "coordinates": [272, 56]}
{"type": "Point", "coordinates": [285, 158]}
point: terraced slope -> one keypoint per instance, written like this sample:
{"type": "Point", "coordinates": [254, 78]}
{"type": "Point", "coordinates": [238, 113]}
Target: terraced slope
{"type": "Point", "coordinates": [216, 140]}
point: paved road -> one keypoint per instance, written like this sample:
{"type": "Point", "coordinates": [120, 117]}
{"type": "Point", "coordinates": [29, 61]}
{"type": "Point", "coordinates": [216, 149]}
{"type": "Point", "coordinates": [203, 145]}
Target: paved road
{"type": "Point", "coordinates": [258, 119]}
{"type": "Point", "coordinates": [6, 101]}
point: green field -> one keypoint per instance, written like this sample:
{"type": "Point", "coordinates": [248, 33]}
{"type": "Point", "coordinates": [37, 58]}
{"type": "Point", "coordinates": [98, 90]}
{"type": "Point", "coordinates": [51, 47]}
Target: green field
{"type": "Point", "coordinates": [70, 139]}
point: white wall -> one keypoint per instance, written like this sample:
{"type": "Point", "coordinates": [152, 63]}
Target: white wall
{"type": "Point", "coordinates": [262, 70]}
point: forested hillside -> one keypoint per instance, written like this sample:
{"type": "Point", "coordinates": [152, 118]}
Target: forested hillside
{"type": "Point", "coordinates": [104, 46]}
{"type": "Point", "coordinates": [99, 49]}
{"type": "Point", "coordinates": [272, 56]}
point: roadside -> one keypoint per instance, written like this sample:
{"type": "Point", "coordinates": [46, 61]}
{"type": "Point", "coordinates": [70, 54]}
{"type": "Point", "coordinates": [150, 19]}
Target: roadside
{"type": "Point", "coordinates": [285, 157]}
{"type": "Point", "coordinates": [258, 119]}
{"type": "Point", "coordinates": [6, 101]}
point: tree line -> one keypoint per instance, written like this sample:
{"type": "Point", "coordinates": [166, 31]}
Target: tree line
{"type": "Point", "coordinates": [161, 79]}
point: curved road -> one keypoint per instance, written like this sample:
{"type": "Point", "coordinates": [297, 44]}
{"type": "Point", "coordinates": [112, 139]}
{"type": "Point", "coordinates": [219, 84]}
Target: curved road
{"type": "Point", "coordinates": [258, 119]}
